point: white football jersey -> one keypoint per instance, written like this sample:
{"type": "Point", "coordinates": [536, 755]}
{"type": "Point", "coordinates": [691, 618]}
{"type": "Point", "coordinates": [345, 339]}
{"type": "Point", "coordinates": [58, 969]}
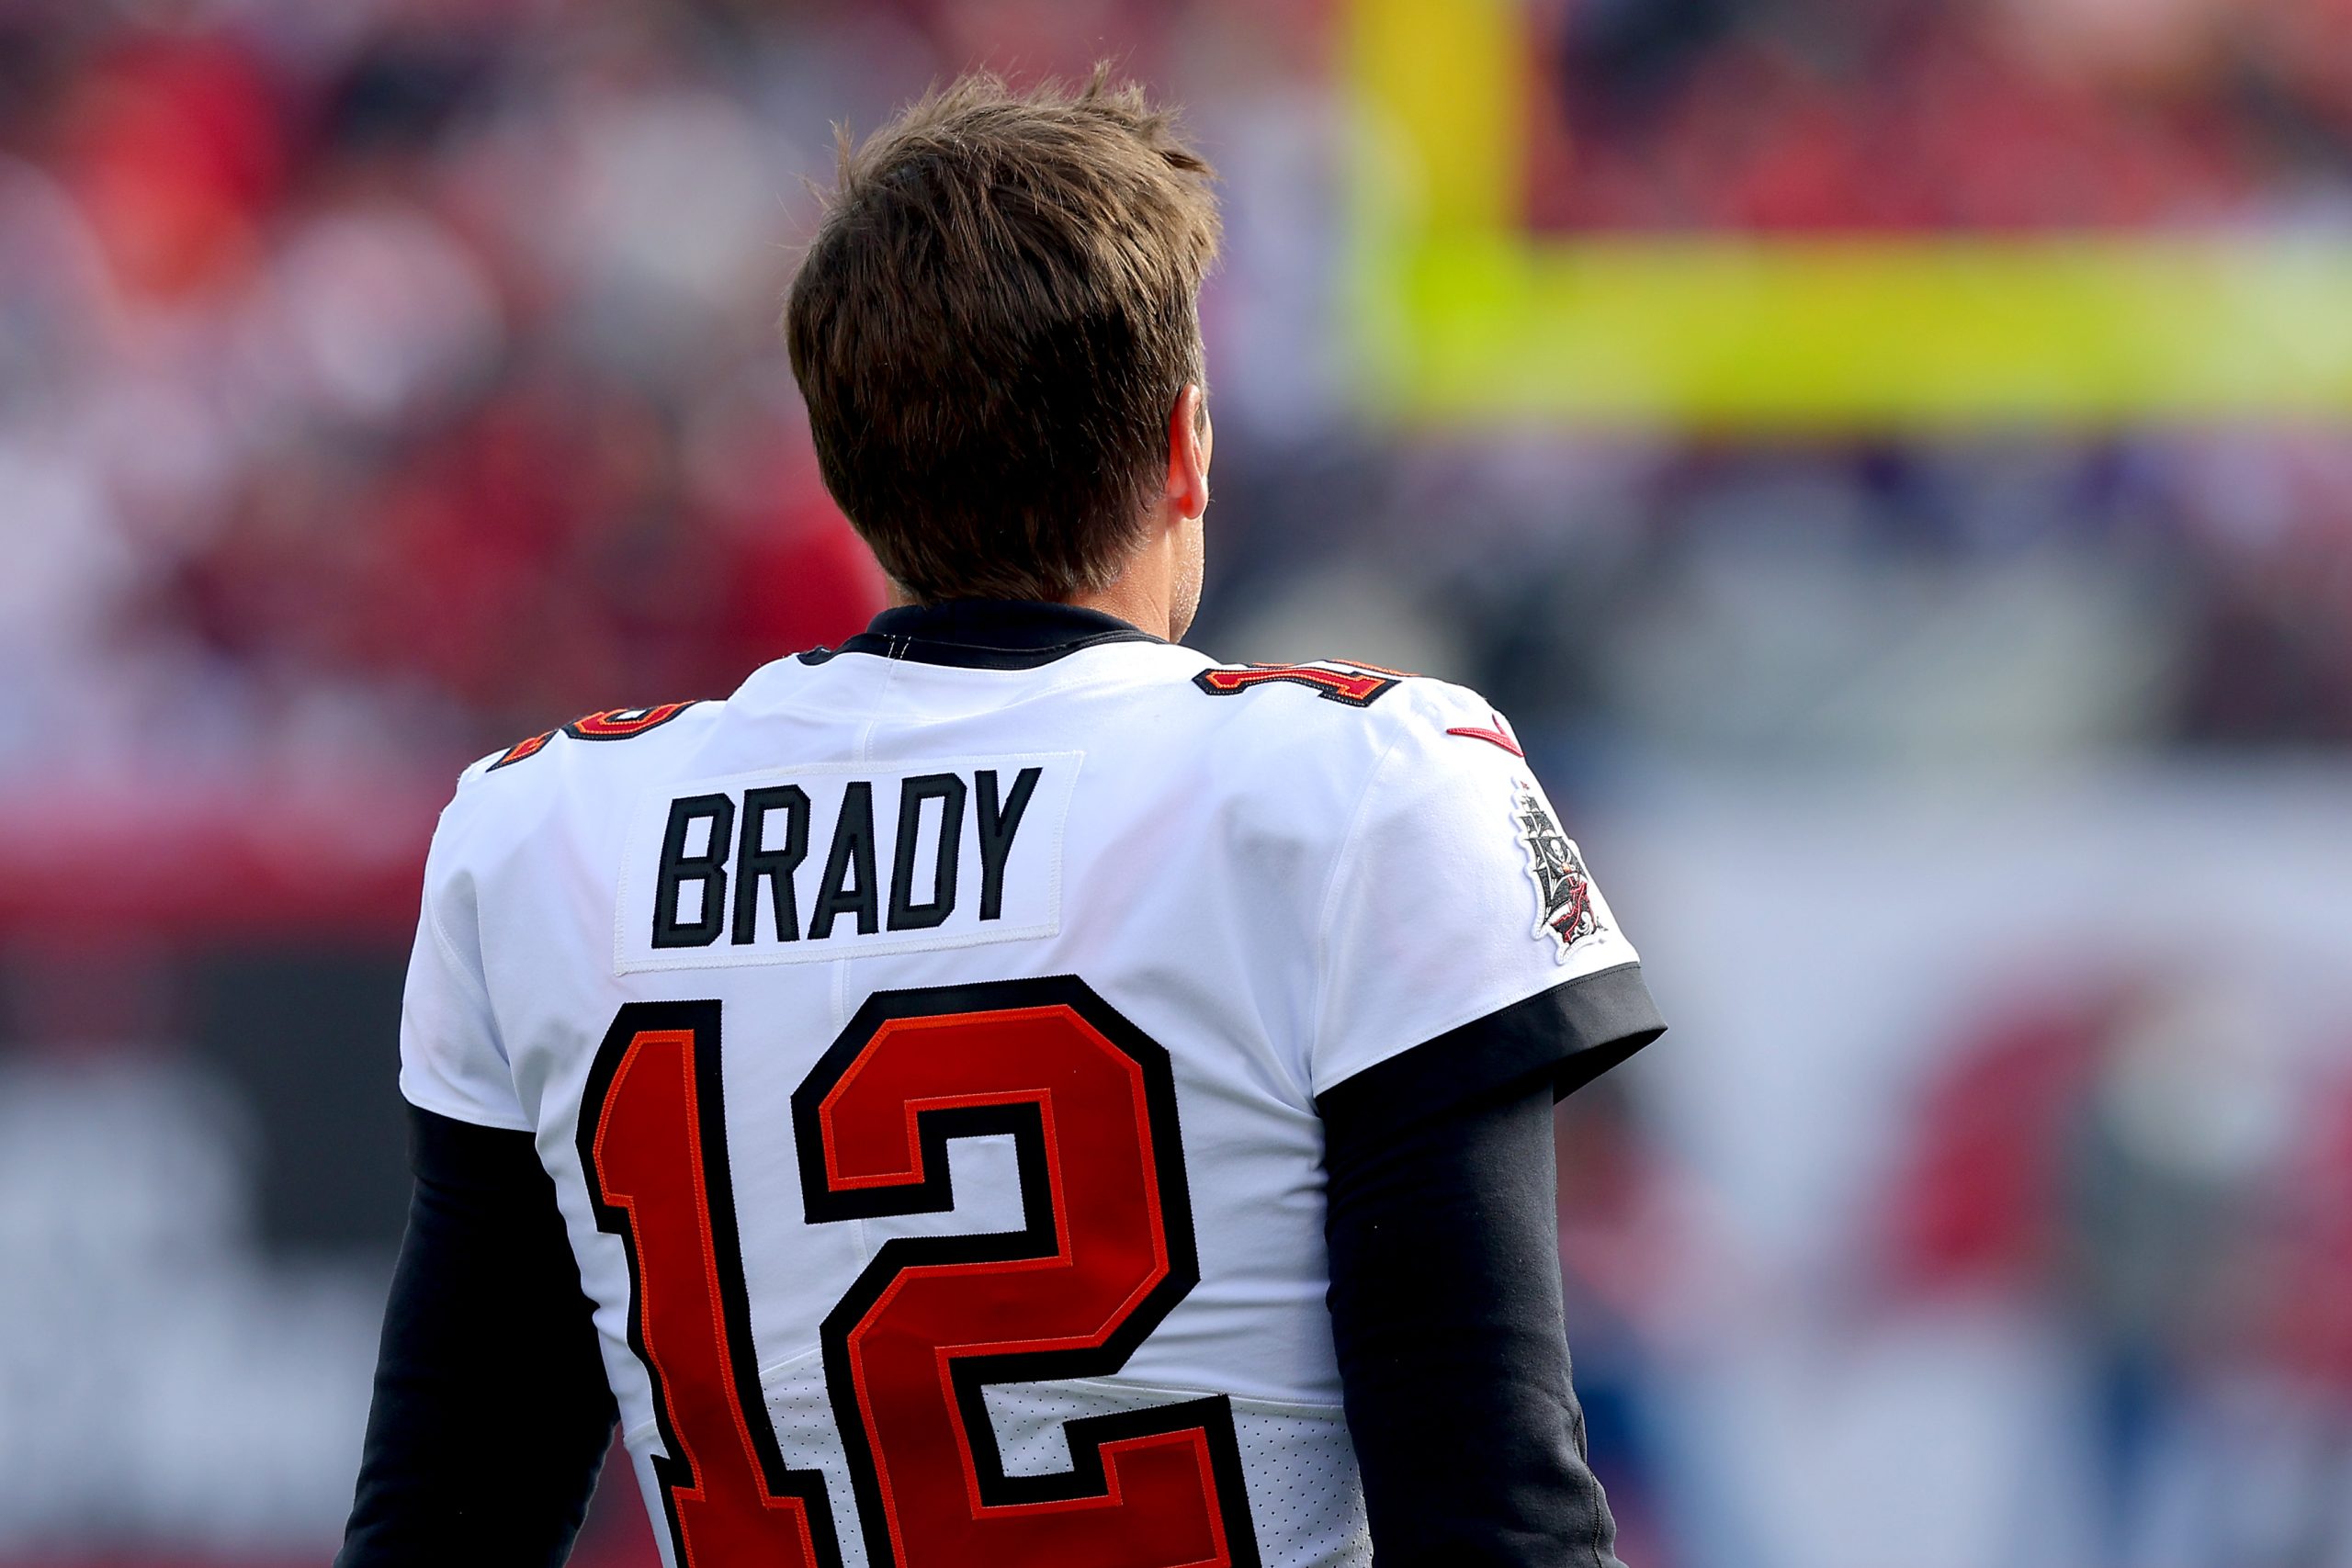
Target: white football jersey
{"type": "Point", "coordinates": [925, 1041]}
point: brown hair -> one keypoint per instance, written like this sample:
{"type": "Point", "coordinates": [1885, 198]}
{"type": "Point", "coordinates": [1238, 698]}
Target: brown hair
{"type": "Point", "coordinates": [991, 326]}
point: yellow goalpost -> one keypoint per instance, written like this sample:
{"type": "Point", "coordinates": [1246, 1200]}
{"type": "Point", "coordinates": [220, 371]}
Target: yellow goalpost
{"type": "Point", "coordinates": [1465, 315]}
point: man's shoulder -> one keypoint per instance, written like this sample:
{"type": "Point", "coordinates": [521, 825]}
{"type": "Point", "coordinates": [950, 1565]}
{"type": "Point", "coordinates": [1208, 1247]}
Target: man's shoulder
{"type": "Point", "coordinates": [1347, 708]}
{"type": "Point", "coordinates": [1315, 750]}
{"type": "Point", "coordinates": [603, 727]}
{"type": "Point", "coordinates": [578, 772]}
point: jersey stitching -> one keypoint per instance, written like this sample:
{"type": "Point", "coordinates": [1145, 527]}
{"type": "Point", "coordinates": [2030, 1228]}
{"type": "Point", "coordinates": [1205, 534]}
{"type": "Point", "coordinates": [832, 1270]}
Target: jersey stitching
{"type": "Point", "coordinates": [771, 1370]}
{"type": "Point", "coordinates": [864, 751]}
{"type": "Point", "coordinates": [782, 1364]}
{"type": "Point", "coordinates": [864, 754]}
{"type": "Point", "coordinates": [1311, 1407]}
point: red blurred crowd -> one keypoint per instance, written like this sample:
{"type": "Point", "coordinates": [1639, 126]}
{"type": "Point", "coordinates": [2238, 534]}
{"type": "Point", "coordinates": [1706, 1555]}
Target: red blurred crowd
{"type": "Point", "coordinates": [387, 379]}
{"type": "Point", "coordinates": [401, 364]}
{"type": "Point", "coordinates": [1925, 115]}
{"type": "Point", "coordinates": [383, 381]}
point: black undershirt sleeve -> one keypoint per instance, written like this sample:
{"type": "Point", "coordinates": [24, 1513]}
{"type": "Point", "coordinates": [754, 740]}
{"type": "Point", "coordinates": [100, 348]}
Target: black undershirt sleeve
{"type": "Point", "coordinates": [491, 1412]}
{"type": "Point", "coordinates": [1445, 1284]}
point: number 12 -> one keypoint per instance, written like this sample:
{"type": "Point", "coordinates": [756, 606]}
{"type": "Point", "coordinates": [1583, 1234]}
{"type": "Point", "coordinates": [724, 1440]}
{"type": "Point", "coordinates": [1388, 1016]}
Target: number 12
{"type": "Point", "coordinates": [1106, 1250]}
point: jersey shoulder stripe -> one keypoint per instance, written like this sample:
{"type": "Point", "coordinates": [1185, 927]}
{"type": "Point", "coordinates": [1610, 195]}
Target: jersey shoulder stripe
{"type": "Point", "coordinates": [607, 723]}
{"type": "Point", "coordinates": [1356, 685]}
{"type": "Point", "coordinates": [1403, 702]}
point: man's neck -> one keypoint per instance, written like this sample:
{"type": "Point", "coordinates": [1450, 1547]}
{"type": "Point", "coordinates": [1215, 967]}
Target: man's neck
{"type": "Point", "coordinates": [1143, 610]}
{"type": "Point", "coordinates": [1130, 600]}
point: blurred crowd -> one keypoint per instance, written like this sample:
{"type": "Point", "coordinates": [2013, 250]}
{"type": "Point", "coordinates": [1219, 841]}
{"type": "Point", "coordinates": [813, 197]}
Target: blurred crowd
{"type": "Point", "coordinates": [380, 382]}
{"type": "Point", "coordinates": [2002, 116]}
{"type": "Point", "coordinates": [383, 380]}
{"type": "Point", "coordinates": [390, 376]}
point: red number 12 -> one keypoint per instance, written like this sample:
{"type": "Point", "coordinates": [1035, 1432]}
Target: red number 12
{"type": "Point", "coordinates": [1105, 1251]}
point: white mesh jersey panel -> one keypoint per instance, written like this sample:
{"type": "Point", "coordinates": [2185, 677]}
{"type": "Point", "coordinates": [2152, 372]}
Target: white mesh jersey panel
{"type": "Point", "coordinates": [1305, 1499]}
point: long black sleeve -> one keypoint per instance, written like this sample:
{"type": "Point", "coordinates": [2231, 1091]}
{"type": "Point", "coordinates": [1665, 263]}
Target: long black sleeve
{"type": "Point", "coordinates": [1445, 1285]}
{"type": "Point", "coordinates": [492, 1412]}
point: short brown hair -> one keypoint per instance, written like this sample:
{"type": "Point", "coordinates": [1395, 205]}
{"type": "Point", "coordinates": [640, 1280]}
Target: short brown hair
{"type": "Point", "coordinates": [991, 326]}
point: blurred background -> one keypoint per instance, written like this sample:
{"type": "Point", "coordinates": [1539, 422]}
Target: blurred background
{"type": "Point", "coordinates": [1889, 456]}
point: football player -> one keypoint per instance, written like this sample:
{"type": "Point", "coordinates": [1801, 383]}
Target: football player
{"type": "Point", "coordinates": [1010, 1090]}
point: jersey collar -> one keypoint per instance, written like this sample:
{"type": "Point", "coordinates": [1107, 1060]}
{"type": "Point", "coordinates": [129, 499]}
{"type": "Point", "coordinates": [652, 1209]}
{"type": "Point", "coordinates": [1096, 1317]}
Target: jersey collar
{"type": "Point", "coordinates": [985, 633]}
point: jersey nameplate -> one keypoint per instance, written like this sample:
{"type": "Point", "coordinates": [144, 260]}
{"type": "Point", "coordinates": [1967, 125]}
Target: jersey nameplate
{"type": "Point", "coordinates": [845, 860]}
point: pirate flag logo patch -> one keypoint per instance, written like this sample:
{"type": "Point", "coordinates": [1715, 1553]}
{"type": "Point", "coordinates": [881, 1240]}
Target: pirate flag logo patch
{"type": "Point", "coordinates": [1564, 908]}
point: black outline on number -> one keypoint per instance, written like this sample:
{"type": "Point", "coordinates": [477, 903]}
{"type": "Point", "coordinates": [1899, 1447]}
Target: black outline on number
{"type": "Point", "coordinates": [932, 1194]}
{"type": "Point", "coordinates": [701, 1021]}
{"type": "Point", "coordinates": [1246, 678]}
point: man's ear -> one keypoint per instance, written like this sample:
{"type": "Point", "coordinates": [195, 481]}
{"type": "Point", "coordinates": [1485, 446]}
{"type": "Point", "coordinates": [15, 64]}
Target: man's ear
{"type": "Point", "coordinates": [1189, 439]}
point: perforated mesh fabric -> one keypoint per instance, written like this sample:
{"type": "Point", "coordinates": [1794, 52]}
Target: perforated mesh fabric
{"type": "Point", "coordinates": [1305, 1500]}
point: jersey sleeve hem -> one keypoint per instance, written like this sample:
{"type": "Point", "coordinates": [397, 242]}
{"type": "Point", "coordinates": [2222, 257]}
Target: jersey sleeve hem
{"type": "Point", "coordinates": [1573, 1032]}
{"type": "Point", "coordinates": [431, 1097]}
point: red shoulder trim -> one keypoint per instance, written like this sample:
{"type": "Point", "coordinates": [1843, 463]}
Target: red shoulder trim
{"type": "Point", "coordinates": [1498, 735]}
{"type": "Point", "coordinates": [612, 724]}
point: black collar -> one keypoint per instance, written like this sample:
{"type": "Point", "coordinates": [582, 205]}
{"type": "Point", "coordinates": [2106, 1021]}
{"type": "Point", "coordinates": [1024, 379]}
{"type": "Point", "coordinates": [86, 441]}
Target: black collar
{"type": "Point", "coordinates": [985, 633]}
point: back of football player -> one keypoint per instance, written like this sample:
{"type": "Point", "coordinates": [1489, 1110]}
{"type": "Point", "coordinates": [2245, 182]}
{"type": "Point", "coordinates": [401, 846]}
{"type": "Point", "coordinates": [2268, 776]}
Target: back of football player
{"type": "Point", "coordinates": [1008, 1090]}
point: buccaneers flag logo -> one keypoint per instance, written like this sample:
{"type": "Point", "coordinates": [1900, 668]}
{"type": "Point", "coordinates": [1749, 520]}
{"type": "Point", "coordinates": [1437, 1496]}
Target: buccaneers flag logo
{"type": "Point", "coordinates": [1564, 902]}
